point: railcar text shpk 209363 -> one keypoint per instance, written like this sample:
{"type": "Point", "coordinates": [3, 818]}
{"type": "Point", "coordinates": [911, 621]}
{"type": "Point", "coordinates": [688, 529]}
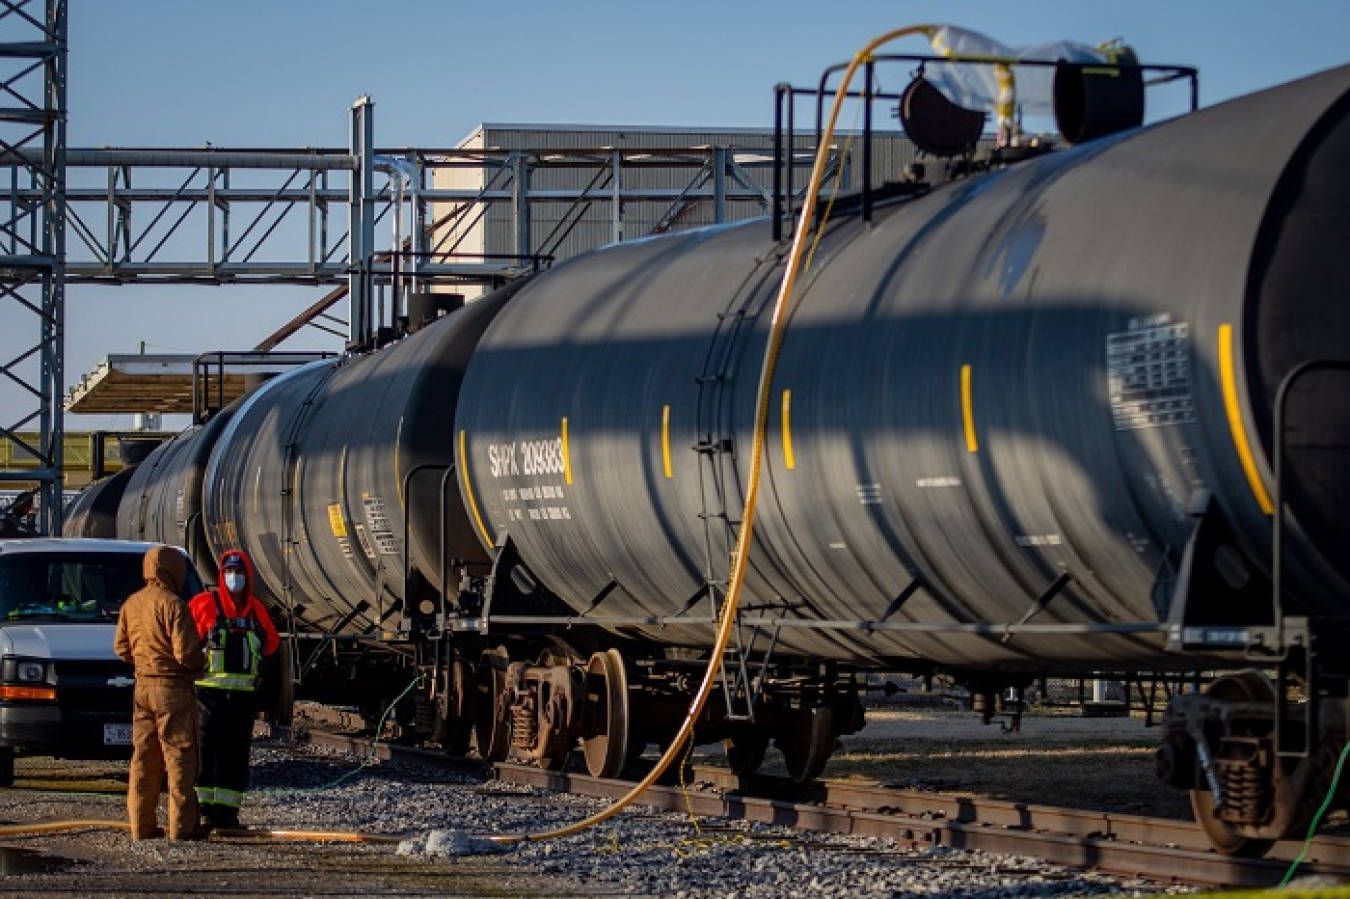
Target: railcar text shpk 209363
{"type": "Point", "coordinates": [1087, 412]}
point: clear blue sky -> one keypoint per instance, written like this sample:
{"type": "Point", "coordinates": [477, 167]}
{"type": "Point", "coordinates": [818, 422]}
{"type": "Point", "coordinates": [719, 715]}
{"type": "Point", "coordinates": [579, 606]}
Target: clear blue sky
{"type": "Point", "coordinates": [283, 73]}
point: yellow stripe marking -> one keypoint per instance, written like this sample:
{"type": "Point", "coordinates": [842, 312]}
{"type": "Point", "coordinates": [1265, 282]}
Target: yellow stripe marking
{"type": "Point", "coordinates": [665, 441]}
{"type": "Point", "coordinates": [295, 488]}
{"type": "Point", "coordinates": [342, 477]}
{"type": "Point", "coordinates": [335, 520]}
{"type": "Point", "coordinates": [398, 470]}
{"type": "Point", "coordinates": [788, 459]}
{"type": "Point", "coordinates": [1228, 375]}
{"type": "Point", "coordinates": [567, 456]}
{"type": "Point", "coordinates": [968, 411]}
{"type": "Point", "coordinates": [468, 491]}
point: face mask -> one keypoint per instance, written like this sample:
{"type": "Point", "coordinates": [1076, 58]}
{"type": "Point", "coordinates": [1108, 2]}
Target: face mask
{"type": "Point", "coordinates": [234, 581]}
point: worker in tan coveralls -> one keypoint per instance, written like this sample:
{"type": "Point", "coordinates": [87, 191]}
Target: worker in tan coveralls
{"type": "Point", "coordinates": [155, 633]}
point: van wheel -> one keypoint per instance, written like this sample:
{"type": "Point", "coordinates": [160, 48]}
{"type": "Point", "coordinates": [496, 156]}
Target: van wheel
{"type": "Point", "coordinates": [6, 766]}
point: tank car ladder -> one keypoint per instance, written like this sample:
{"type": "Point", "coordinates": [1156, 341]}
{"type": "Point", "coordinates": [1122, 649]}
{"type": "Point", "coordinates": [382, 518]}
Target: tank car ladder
{"type": "Point", "coordinates": [716, 451]}
{"type": "Point", "coordinates": [292, 535]}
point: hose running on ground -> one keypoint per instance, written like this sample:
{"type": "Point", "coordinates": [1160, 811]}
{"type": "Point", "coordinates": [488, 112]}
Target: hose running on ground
{"type": "Point", "coordinates": [728, 612]}
{"type": "Point", "coordinates": [317, 836]}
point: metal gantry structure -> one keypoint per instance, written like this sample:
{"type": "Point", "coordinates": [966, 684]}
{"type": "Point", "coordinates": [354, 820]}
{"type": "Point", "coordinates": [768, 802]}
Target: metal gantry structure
{"type": "Point", "coordinates": [369, 224]}
{"type": "Point", "coordinates": [33, 53]}
{"type": "Point", "coordinates": [222, 216]}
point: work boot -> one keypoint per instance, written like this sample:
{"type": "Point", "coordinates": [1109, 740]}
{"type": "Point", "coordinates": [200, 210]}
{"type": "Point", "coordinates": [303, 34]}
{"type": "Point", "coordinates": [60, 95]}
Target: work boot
{"type": "Point", "coordinates": [156, 834]}
{"type": "Point", "coordinates": [200, 832]}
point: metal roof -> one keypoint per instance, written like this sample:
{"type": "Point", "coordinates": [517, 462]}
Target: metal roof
{"type": "Point", "coordinates": [165, 382]}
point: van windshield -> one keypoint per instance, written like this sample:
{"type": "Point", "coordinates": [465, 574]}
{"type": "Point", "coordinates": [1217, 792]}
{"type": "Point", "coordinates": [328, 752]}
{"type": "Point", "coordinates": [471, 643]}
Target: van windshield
{"type": "Point", "coordinates": [75, 586]}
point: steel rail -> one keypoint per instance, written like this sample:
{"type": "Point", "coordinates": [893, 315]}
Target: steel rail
{"type": "Point", "coordinates": [1157, 849]}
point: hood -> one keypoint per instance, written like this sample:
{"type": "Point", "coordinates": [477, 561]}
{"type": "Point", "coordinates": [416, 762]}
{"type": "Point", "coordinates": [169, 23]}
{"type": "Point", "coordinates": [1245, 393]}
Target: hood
{"type": "Point", "coordinates": [167, 567]}
{"type": "Point", "coordinates": [248, 569]}
{"type": "Point", "coordinates": [58, 641]}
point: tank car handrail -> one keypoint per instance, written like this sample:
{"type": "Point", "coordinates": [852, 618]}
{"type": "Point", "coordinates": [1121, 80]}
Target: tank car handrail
{"type": "Point", "coordinates": [1310, 718]}
{"type": "Point", "coordinates": [263, 362]}
{"type": "Point", "coordinates": [990, 628]}
{"type": "Point", "coordinates": [785, 94]}
{"type": "Point", "coordinates": [326, 638]}
{"type": "Point", "coordinates": [1277, 532]}
{"type": "Point", "coordinates": [447, 470]}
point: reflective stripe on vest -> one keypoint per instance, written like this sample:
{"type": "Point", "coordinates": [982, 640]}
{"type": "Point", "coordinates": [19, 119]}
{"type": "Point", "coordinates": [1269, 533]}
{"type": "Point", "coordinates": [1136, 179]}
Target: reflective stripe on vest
{"type": "Point", "coordinates": [220, 796]}
{"type": "Point", "coordinates": [217, 677]}
{"type": "Point", "coordinates": [223, 681]}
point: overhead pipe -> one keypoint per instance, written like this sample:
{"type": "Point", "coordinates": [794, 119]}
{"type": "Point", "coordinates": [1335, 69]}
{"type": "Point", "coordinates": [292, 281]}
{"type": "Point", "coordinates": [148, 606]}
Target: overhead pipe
{"type": "Point", "coordinates": [408, 172]}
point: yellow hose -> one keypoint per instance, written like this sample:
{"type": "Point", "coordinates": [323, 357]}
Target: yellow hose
{"type": "Point", "coordinates": [319, 836]}
{"type": "Point", "coordinates": [19, 830]}
{"type": "Point", "coordinates": [740, 559]}
{"type": "Point", "coordinates": [777, 324]}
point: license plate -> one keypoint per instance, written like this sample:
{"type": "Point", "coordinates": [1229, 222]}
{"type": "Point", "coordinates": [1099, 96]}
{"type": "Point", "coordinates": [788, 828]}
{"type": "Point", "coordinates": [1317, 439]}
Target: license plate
{"type": "Point", "coordinates": [117, 735]}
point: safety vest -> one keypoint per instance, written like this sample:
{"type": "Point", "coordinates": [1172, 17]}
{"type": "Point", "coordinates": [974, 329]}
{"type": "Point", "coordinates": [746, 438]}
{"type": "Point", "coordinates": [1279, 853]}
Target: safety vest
{"type": "Point", "coordinates": [233, 651]}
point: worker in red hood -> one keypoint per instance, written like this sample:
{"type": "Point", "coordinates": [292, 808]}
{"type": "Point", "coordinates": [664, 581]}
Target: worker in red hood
{"type": "Point", "coordinates": [237, 632]}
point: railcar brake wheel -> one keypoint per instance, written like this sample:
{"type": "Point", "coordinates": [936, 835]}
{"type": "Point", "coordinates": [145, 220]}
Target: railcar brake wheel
{"type": "Point", "coordinates": [492, 726]}
{"type": "Point", "coordinates": [808, 742]}
{"type": "Point", "coordinates": [745, 752]}
{"type": "Point", "coordinates": [1244, 686]}
{"type": "Point", "coordinates": [607, 690]}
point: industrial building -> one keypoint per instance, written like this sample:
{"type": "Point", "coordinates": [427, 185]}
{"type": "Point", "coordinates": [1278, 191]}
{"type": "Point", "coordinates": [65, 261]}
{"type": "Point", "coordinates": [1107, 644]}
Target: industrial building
{"type": "Point", "coordinates": [554, 191]}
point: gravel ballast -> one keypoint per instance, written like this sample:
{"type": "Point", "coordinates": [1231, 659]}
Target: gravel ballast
{"type": "Point", "coordinates": [435, 825]}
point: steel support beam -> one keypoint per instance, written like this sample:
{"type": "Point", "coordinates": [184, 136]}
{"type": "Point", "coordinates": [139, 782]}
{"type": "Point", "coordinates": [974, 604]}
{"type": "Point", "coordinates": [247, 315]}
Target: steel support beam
{"type": "Point", "coordinates": [361, 231]}
{"type": "Point", "coordinates": [32, 250]}
{"type": "Point", "coordinates": [520, 190]}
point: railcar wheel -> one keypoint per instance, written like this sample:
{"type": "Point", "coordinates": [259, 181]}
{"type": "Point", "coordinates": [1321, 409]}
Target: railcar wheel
{"type": "Point", "coordinates": [745, 752]}
{"type": "Point", "coordinates": [633, 758]}
{"type": "Point", "coordinates": [492, 721]}
{"type": "Point", "coordinates": [554, 761]}
{"type": "Point", "coordinates": [607, 694]}
{"type": "Point", "coordinates": [808, 742]}
{"type": "Point", "coordinates": [1245, 686]}
{"type": "Point", "coordinates": [455, 708]}
{"type": "Point", "coordinates": [1222, 837]}
{"type": "Point", "coordinates": [279, 698]}
{"type": "Point", "coordinates": [458, 738]}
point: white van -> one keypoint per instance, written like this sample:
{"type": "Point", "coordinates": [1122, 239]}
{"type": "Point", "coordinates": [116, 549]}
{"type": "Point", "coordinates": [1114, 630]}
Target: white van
{"type": "Point", "coordinates": [63, 691]}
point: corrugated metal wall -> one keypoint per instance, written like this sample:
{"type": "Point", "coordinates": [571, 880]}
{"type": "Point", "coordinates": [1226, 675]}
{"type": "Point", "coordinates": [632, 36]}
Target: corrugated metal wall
{"type": "Point", "coordinates": [564, 227]}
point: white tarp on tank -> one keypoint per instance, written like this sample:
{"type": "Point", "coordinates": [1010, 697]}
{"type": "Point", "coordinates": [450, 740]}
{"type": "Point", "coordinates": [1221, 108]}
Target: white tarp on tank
{"type": "Point", "coordinates": [977, 86]}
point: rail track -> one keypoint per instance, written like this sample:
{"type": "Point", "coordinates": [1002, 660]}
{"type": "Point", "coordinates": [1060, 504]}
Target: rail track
{"type": "Point", "coordinates": [1158, 849]}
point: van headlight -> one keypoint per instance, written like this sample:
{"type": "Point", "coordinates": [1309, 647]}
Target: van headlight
{"type": "Point", "coordinates": [28, 671]}
{"type": "Point", "coordinates": [25, 679]}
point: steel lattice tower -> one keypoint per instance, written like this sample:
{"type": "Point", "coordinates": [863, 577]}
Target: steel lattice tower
{"type": "Point", "coordinates": [33, 52]}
